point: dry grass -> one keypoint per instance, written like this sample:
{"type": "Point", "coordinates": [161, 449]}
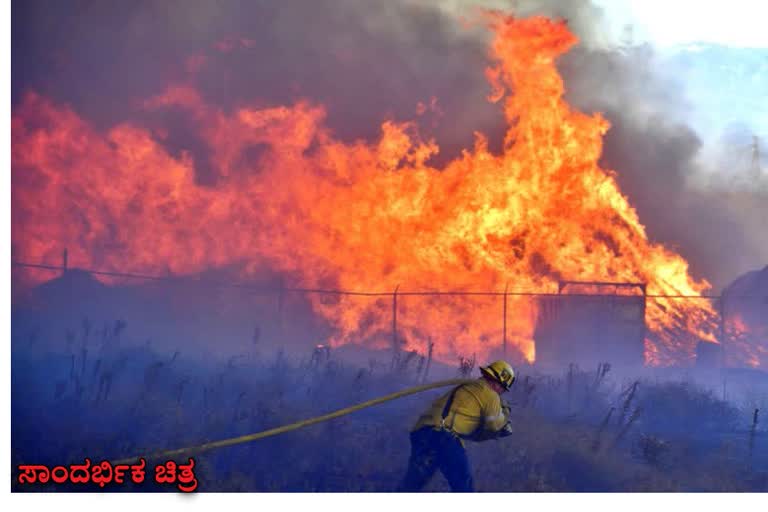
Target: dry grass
{"type": "Point", "coordinates": [580, 431]}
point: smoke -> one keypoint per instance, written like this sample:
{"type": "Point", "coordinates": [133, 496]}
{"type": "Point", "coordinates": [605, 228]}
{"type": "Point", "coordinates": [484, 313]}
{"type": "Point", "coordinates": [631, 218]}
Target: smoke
{"type": "Point", "coordinates": [694, 198]}
{"type": "Point", "coordinates": [707, 208]}
{"type": "Point", "coordinates": [364, 61]}
{"type": "Point", "coordinates": [371, 61]}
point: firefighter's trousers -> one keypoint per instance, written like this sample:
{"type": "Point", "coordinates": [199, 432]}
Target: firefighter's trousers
{"type": "Point", "coordinates": [431, 450]}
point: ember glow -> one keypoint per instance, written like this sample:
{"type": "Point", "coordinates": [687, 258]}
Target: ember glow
{"type": "Point", "coordinates": [365, 216]}
{"type": "Point", "coordinates": [746, 342]}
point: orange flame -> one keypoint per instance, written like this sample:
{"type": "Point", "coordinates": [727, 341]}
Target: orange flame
{"type": "Point", "coordinates": [746, 343]}
{"type": "Point", "coordinates": [362, 215]}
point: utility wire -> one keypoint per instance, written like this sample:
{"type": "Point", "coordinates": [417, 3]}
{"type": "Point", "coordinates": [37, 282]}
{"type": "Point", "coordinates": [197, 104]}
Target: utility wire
{"type": "Point", "coordinates": [264, 289]}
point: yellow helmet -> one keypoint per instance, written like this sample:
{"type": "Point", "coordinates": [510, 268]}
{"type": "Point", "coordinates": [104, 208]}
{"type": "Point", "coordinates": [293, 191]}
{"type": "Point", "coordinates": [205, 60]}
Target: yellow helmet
{"type": "Point", "coordinates": [501, 372]}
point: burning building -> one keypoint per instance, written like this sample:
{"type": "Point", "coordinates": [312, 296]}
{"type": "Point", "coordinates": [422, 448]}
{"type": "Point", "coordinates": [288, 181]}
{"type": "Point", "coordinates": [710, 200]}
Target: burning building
{"type": "Point", "coordinates": [290, 197]}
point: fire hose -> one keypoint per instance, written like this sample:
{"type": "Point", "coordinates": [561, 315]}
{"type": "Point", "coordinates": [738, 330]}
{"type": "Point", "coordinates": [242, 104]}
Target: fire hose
{"type": "Point", "coordinates": [212, 445]}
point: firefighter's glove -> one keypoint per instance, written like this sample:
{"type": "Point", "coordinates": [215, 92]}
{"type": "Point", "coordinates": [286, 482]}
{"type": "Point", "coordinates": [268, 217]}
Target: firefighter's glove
{"type": "Point", "coordinates": [505, 431]}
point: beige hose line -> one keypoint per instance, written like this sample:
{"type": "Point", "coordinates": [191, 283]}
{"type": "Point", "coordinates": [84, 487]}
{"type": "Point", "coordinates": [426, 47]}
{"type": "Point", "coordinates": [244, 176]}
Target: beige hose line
{"type": "Point", "coordinates": [168, 454]}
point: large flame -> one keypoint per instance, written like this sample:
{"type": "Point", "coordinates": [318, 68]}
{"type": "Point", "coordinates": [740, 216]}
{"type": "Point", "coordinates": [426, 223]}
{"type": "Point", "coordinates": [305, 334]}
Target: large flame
{"type": "Point", "coordinates": [363, 215]}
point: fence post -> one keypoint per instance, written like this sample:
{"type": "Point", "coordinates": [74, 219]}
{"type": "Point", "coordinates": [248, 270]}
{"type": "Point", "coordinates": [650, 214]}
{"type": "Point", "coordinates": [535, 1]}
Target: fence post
{"type": "Point", "coordinates": [722, 323]}
{"type": "Point", "coordinates": [752, 434]}
{"type": "Point", "coordinates": [64, 261]}
{"type": "Point", "coordinates": [280, 315]}
{"type": "Point", "coordinates": [395, 343]}
{"type": "Point", "coordinates": [504, 339]}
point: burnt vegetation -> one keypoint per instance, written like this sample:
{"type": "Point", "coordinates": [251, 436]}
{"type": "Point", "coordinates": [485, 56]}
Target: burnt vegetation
{"type": "Point", "coordinates": [581, 430]}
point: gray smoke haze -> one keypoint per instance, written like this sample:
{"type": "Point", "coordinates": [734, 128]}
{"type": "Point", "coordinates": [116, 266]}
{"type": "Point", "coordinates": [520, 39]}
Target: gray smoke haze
{"type": "Point", "coordinates": [686, 202]}
{"type": "Point", "coordinates": [371, 61]}
{"type": "Point", "coordinates": [365, 61]}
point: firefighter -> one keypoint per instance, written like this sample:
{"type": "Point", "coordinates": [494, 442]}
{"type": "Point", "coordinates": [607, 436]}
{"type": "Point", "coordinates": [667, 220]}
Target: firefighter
{"type": "Point", "coordinates": [471, 411]}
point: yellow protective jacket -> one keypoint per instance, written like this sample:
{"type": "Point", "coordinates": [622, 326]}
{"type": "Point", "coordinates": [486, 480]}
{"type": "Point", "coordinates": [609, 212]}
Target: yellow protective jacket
{"type": "Point", "coordinates": [475, 412]}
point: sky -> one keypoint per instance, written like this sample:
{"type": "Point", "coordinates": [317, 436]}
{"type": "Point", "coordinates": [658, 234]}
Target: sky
{"type": "Point", "coordinates": [665, 23]}
{"type": "Point", "coordinates": [717, 50]}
